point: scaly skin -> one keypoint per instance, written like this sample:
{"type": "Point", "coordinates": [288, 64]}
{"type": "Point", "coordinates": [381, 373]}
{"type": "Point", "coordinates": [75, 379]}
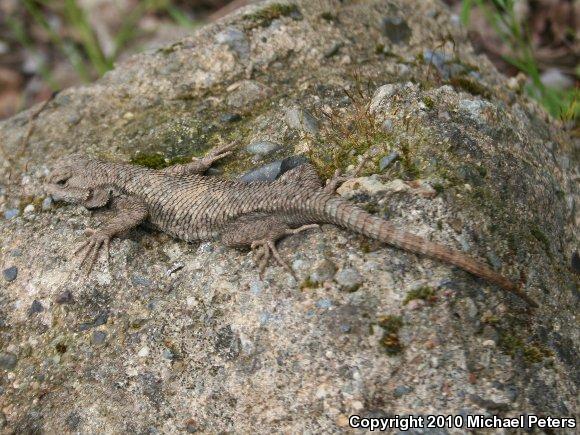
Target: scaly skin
{"type": "Point", "coordinates": [179, 200]}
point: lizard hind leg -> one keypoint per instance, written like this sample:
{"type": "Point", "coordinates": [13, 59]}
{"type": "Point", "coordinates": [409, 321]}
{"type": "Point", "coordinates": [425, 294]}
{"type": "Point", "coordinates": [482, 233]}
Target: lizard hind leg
{"type": "Point", "coordinates": [261, 232]}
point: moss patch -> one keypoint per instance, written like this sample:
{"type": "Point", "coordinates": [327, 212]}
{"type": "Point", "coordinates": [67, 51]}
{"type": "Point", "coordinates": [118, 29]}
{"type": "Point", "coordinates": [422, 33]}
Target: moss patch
{"type": "Point", "coordinates": [541, 237]}
{"type": "Point", "coordinates": [390, 339]}
{"type": "Point", "coordinates": [428, 101]}
{"type": "Point", "coordinates": [531, 352]}
{"type": "Point", "coordinates": [157, 161]}
{"type": "Point", "coordinates": [470, 85]}
{"type": "Point", "coordinates": [424, 292]}
{"type": "Point", "coordinates": [265, 16]}
{"type": "Point", "coordinates": [308, 284]}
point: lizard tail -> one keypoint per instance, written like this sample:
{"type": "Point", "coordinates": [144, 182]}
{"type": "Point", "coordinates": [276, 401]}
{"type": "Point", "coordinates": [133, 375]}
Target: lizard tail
{"type": "Point", "coordinates": [335, 210]}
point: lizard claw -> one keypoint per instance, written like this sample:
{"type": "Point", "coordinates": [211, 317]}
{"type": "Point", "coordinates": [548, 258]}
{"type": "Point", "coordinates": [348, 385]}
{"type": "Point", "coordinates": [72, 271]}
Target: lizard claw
{"type": "Point", "coordinates": [91, 247]}
{"type": "Point", "coordinates": [333, 183]}
{"type": "Point", "coordinates": [265, 249]}
{"type": "Point", "coordinates": [215, 154]}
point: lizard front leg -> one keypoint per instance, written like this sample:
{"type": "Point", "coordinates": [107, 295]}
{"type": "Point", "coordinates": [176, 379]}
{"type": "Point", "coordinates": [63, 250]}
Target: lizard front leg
{"type": "Point", "coordinates": [130, 213]}
{"type": "Point", "coordinates": [261, 232]}
{"type": "Point", "coordinates": [200, 165]}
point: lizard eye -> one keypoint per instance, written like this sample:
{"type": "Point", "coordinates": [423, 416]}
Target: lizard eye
{"type": "Point", "coordinates": [62, 183]}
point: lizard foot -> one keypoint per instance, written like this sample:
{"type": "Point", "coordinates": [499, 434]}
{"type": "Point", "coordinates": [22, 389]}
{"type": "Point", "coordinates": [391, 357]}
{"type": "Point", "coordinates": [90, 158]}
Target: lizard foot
{"type": "Point", "coordinates": [91, 247]}
{"type": "Point", "coordinates": [266, 248]}
{"type": "Point", "coordinates": [333, 183]}
{"type": "Point", "coordinates": [216, 154]}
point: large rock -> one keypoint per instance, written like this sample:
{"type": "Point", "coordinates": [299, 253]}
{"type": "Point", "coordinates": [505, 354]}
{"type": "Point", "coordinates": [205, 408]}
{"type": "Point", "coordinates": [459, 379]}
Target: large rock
{"type": "Point", "coordinates": [176, 336]}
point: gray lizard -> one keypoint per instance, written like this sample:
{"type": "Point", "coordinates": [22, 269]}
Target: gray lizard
{"type": "Point", "coordinates": [181, 201]}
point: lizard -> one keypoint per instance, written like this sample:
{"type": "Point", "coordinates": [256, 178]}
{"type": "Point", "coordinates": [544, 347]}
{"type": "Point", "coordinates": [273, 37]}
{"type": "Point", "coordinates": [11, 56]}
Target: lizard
{"type": "Point", "coordinates": [183, 202]}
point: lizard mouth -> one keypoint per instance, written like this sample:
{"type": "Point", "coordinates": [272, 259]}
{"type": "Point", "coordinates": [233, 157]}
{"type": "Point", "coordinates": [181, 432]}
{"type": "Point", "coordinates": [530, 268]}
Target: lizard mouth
{"type": "Point", "coordinates": [68, 194]}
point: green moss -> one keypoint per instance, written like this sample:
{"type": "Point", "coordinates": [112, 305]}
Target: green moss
{"type": "Point", "coordinates": [328, 16]}
{"type": "Point", "coordinates": [541, 237]}
{"type": "Point", "coordinates": [438, 188]}
{"type": "Point", "coordinates": [490, 319]}
{"type": "Point", "coordinates": [344, 151]}
{"type": "Point", "coordinates": [308, 284]}
{"type": "Point", "coordinates": [411, 168]}
{"type": "Point", "coordinates": [157, 161]}
{"type": "Point", "coordinates": [532, 353]}
{"type": "Point", "coordinates": [428, 101]}
{"type": "Point", "coordinates": [265, 16]}
{"type": "Point", "coordinates": [470, 85]}
{"type": "Point", "coordinates": [424, 292]}
{"type": "Point", "coordinates": [390, 339]}
{"type": "Point", "coordinates": [371, 208]}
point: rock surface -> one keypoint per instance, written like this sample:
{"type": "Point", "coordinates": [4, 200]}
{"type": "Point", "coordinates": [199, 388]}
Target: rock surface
{"type": "Point", "coordinates": [144, 346]}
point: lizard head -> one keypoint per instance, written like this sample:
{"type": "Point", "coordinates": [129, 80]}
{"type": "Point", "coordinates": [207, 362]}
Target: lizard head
{"type": "Point", "coordinates": [73, 180]}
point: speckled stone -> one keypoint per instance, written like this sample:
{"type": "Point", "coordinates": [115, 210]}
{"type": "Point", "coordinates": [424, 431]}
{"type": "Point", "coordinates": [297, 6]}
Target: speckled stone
{"type": "Point", "coordinates": [98, 337]}
{"type": "Point", "coordinates": [349, 279]}
{"type": "Point", "coordinates": [10, 274]}
{"type": "Point", "coordinates": [306, 355]}
{"type": "Point", "coordinates": [8, 360]}
{"type": "Point", "coordinates": [323, 271]}
{"type": "Point", "coordinates": [11, 213]}
{"type": "Point", "coordinates": [262, 148]}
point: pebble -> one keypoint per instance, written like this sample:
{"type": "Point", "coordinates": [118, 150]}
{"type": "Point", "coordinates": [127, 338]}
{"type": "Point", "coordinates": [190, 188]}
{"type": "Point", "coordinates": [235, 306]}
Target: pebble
{"type": "Point", "coordinates": [401, 390]}
{"type": "Point", "coordinates": [302, 120]}
{"type": "Point", "coordinates": [235, 39]}
{"type": "Point", "coordinates": [98, 337]}
{"type": "Point", "coordinates": [141, 280]}
{"type": "Point", "coordinates": [324, 304]}
{"type": "Point", "coordinates": [349, 279]}
{"type": "Point", "coordinates": [388, 160]}
{"type": "Point", "coordinates": [474, 108]}
{"type": "Point", "coordinates": [488, 343]}
{"type": "Point", "coordinates": [47, 203]}
{"type": "Point", "coordinates": [387, 125]}
{"type": "Point", "coordinates": [323, 271]}
{"type": "Point", "coordinates": [191, 426]}
{"type": "Point", "coordinates": [345, 328]}
{"type": "Point", "coordinates": [332, 50]}
{"type": "Point", "coordinates": [230, 117]}
{"type": "Point", "coordinates": [10, 274]}
{"type": "Point", "coordinates": [243, 95]}
{"type": "Point", "coordinates": [370, 185]}
{"type": "Point", "coordinates": [168, 354]}
{"type": "Point", "coordinates": [65, 297]}
{"type": "Point", "coordinates": [262, 148]}
{"type": "Point", "coordinates": [268, 172]}
{"type": "Point", "coordinates": [11, 213]}
{"type": "Point", "coordinates": [35, 307]}
{"type": "Point", "coordinates": [143, 352]}
{"type": "Point", "coordinates": [29, 209]}
{"type": "Point", "coordinates": [7, 360]}
{"type": "Point", "coordinates": [101, 319]}
{"type": "Point", "coordinates": [73, 119]}
{"type": "Point", "coordinates": [272, 171]}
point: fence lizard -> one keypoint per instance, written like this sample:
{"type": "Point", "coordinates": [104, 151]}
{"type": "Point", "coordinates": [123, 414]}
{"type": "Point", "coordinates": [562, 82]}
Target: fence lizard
{"type": "Point", "coordinates": [181, 201]}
